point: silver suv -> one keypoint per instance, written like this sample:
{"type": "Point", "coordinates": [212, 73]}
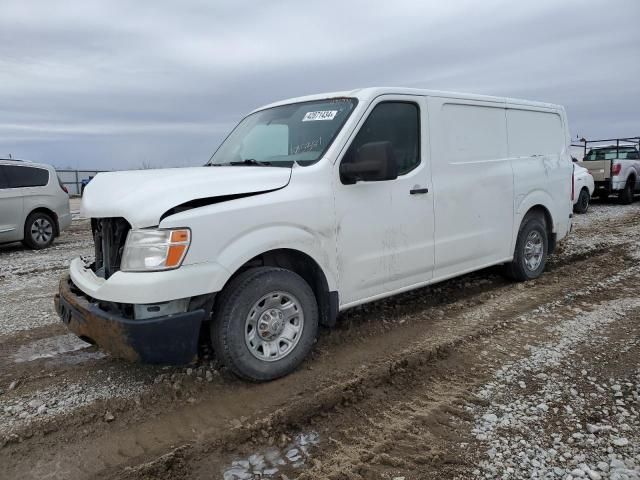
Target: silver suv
{"type": "Point", "coordinates": [34, 205]}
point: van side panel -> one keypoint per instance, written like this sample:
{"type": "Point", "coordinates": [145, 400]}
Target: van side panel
{"type": "Point", "coordinates": [11, 214]}
{"type": "Point", "coordinates": [472, 185]}
{"type": "Point", "coordinates": [538, 146]}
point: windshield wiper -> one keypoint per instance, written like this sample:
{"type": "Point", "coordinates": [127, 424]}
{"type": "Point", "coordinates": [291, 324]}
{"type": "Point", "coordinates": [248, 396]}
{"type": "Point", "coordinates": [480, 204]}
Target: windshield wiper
{"type": "Point", "coordinates": [251, 161]}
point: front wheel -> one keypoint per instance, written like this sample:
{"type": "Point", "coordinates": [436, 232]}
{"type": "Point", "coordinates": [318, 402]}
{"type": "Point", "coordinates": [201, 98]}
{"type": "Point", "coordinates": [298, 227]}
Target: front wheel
{"type": "Point", "coordinates": [39, 231]}
{"type": "Point", "coordinates": [530, 255]}
{"type": "Point", "coordinates": [265, 324]}
{"type": "Point", "coordinates": [582, 205]}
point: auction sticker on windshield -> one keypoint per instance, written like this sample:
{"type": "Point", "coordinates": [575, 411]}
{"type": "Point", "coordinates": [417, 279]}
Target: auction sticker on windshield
{"type": "Point", "coordinates": [320, 115]}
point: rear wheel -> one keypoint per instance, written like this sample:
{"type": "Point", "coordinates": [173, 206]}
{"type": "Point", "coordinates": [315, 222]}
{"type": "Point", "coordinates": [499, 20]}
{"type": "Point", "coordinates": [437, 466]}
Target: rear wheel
{"type": "Point", "coordinates": [626, 195]}
{"type": "Point", "coordinates": [530, 255]}
{"type": "Point", "coordinates": [265, 324]}
{"type": "Point", "coordinates": [582, 205]}
{"type": "Point", "coordinates": [39, 231]}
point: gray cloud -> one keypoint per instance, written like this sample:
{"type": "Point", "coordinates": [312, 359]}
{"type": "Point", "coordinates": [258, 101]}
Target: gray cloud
{"type": "Point", "coordinates": [112, 84]}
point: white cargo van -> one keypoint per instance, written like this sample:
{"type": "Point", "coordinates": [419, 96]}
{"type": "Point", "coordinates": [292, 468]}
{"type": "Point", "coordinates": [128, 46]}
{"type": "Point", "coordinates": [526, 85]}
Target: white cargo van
{"type": "Point", "coordinates": [312, 206]}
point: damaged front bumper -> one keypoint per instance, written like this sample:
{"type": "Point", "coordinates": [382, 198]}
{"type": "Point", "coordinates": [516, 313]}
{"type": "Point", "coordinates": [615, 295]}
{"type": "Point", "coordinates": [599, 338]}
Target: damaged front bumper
{"type": "Point", "coordinates": [169, 339]}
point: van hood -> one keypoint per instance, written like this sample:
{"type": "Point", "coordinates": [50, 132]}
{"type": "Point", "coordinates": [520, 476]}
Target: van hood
{"type": "Point", "coordinates": [143, 196]}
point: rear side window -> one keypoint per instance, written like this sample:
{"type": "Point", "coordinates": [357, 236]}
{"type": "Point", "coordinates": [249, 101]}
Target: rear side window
{"type": "Point", "coordinates": [394, 122]}
{"type": "Point", "coordinates": [474, 133]}
{"type": "Point", "coordinates": [18, 176]}
{"type": "Point", "coordinates": [534, 133]}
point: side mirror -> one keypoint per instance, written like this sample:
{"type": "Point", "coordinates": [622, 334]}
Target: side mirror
{"type": "Point", "coordinates": [372, 162]}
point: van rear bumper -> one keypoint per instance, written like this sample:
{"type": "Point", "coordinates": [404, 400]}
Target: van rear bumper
{"type": "Point", "coordinates": [170, 339]}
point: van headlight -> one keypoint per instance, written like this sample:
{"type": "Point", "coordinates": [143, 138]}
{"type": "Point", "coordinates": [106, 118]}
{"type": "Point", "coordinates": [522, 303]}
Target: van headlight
{"type": "Point", "coordinates": [155, 249]}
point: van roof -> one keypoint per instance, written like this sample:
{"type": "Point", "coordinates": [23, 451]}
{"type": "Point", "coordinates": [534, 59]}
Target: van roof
{"type": "Point", "coordinates": [11, 159]}
{"type": "Point", "coordinates": [369, 93]}
{"type": "Point", "coordinates": [26, 163]}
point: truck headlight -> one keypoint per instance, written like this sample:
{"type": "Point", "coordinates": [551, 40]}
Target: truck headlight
{"type": "Point", "coordinates": [155, 249]}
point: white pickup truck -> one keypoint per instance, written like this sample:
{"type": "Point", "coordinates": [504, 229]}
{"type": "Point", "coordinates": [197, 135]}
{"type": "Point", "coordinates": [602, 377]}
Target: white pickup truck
{"type": "Point", "coordinates": [312, 206]}
{"type": "Point", "coordinates": [615, 167]}
{"type": "Point", "coordinates": [583, 188]}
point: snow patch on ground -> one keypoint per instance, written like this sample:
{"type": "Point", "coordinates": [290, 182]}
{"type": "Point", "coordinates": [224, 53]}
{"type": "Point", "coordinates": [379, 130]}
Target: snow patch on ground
{"type": "Point", "coordinates": [270, 462]}
{"type": "Point", "coordinates": [49, 347]}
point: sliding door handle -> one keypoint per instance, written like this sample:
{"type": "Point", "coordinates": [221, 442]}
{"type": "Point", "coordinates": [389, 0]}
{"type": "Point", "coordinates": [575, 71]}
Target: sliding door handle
{"type": "Point", "coordinates": [415, 191]}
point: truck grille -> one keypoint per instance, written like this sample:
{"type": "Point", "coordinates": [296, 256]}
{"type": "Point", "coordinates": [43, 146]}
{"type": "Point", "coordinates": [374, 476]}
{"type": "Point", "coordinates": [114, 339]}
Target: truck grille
{"type": "Point", "coordinates": [109, 236]}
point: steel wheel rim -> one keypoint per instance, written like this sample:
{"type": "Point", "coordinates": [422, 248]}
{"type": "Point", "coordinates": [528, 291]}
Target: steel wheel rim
{"type": "Point", "coordinates": [533, 250]}
{"type": "Point", "coordinates": [273, 326]}
{"type": "Point", "coordinates": [41, 231]}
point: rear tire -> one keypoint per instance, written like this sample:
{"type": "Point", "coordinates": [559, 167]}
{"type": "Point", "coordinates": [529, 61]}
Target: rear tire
{"type": "Point", "coordinates": [582, 205]}
{"type": "Point", "coordinates": [626, 196]}
{"type": "Point", "coordinates": [530, 255]}
{"type": "Point", "coordinates": [39, 231]}
{"type": "Point", "coordinates": [265, 323]}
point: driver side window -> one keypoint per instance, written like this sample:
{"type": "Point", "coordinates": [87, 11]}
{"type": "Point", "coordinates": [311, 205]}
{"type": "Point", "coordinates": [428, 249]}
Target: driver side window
{"type": "Point", "coordinates": [396, 124]}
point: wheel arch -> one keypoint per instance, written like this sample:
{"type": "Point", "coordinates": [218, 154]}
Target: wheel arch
{"type": "Point", "coordinates": [305, 265]}
{"type": "Point", "coordinates": [545, 212]}
{"type": "Point", "coordinates": [51, 213]}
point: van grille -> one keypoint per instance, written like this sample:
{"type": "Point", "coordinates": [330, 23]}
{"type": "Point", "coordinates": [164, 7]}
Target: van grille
{"type": "Point", "coordinates": [109, 236]}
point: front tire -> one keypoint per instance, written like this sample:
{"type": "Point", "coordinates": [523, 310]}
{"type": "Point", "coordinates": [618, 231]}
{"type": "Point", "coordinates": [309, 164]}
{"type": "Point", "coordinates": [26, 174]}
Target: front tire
{"type": "Point", "coordinates": [39, 231]}
{"type": "Point", "coordinates": [582, 205]}
{"type": "Point", "coordinates": [530, 255]}
{"type": "Point", "coordinates": [265, 324]}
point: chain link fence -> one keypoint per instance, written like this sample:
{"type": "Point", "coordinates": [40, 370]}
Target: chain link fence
{"type": "Point", "coordinates": [73, 179]}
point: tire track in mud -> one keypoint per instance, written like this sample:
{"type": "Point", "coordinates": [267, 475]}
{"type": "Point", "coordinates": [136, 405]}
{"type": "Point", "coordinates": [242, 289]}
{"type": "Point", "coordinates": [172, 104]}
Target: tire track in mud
{"type": "Point", "coordinates": [405, 367]}
{"type": "Point", "coordinates": [419, 435]}
{"type": "Point", "coordinates": [408, 309]}
{"type": "Point", "coordinates": [465, 288]}
{"type": "Point", "coordinates": [402, 423]}
{"type": "Point", "coordinates": [222, 418]}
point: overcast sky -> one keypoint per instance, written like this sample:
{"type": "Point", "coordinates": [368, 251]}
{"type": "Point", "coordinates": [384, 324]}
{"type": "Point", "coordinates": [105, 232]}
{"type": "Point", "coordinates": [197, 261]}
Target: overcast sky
{"type": "Point", "coordinates": [112, 84]}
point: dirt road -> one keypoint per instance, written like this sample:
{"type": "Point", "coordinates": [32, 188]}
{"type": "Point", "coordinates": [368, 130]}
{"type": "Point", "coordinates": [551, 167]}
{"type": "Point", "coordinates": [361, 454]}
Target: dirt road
{"type": "Point", "coordinates": [472, 378]}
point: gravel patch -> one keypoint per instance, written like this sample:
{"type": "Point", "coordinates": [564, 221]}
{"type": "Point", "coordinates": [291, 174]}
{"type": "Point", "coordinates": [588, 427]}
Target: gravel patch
{"type": "Point", "coordinates": [29, 279]}
{"type": "Point", "coordinates": [582, 241]}
{"type": "Point", "coordinates": [18, 413]}
{"type": "Point", "coordinates": [537, 431]}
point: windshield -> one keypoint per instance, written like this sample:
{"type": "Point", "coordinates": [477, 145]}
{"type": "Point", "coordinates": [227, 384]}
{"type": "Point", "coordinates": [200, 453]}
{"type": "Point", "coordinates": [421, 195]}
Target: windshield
{"type": "Point", "coordinates": [612, 154]}
{"type": "Point", "coordinates": [280, 136]}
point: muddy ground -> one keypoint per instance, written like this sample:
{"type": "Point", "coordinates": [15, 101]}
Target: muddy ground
{"type": "Point", "coordinates": [476, 377]}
